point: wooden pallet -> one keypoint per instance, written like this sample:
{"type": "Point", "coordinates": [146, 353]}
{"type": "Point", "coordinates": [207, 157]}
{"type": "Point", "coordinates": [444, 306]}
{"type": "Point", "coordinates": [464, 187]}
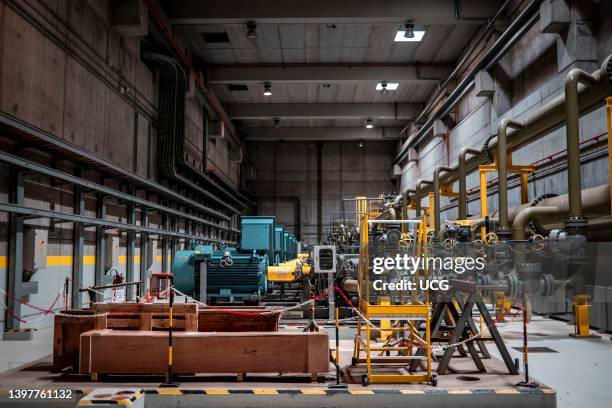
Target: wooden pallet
{"type": "Point", "coordinates": [211, 320]}
{"type": "Point", "coordinates": [148, 316]}
{"type": "Point", "coordinates": [145, 352]}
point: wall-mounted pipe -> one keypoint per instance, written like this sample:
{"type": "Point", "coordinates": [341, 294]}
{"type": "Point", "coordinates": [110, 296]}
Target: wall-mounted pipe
{"type": "Point", "coordinates": [463, 180]}
{"type": "Point", "coordinates": [436, 187]}
{"type": "Point", "coordinates": [417, 196]}
{"type": "Point", "coordinates": [576, 222]}
{"type": "Point", "coordinates": [526, 215]}
{"type": "Point", "coordinates": [502, 173]}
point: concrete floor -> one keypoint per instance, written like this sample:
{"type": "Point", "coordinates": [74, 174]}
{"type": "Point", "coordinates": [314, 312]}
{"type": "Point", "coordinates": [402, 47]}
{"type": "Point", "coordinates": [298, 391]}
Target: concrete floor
{"type": "Point", "coordinates": [579, 372]}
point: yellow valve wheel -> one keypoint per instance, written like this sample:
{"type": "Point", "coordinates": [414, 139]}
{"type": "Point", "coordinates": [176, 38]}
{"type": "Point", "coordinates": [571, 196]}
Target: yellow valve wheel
{"type": "Point", "coordinates": [538, 242]}
{"type": "Point", "coordinates": [491, 239]}
{"type": "Point", "coordinates": [405, 240]}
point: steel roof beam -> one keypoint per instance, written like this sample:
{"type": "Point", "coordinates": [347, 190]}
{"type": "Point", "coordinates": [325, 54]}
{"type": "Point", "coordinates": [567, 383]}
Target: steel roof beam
{"type": "Point", "coordinates": [403, 111]}
{"type": "Point", "coordinates": [327, 73]}
{"type": "Point", "coordinates": [420, 12]}
{"type": "Point", "coordinates": [322, 133]}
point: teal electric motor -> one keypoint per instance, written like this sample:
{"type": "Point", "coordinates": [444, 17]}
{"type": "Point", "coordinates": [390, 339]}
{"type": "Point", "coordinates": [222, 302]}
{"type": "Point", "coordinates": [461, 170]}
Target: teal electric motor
{"type": "Point", "coordinates": [232, 276]}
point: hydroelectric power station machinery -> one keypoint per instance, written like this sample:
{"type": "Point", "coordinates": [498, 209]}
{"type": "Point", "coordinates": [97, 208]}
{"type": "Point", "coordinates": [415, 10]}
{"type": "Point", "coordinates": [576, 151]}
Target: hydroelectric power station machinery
{"type": "Point", "coordinates": [235, 275]}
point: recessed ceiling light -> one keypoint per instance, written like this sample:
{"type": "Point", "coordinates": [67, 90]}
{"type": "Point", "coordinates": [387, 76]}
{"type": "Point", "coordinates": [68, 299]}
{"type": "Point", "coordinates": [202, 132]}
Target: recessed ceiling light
{"type": "Point", "coordinates": [389, 86]}
{"type": "Point", "coordinates": [267, 89]}
{"type": "Point", "coordinates": [369, 124]}
{"type": "Point", "coordinates": [251, 33]}
{"type": "Point", "coordinates": [400, 36]}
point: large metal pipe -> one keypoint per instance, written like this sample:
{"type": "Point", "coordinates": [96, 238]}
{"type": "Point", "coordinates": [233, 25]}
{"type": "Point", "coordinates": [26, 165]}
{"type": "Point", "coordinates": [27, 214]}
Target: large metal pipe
{"type": "Point", "coordinates": [463, 180]}
{"type": "Point", "coordinates": [502, 173]}
{"type": "Point", "coordinates": [436, 184]}
{"type": "Point", "coordinates": [417, 196]}
{"type": "Point", "coordinates": [527, 214]}
{"type": "Point", "coordinates": [595, 202]}
{"type": "Point", "coordinates": [576, 222]}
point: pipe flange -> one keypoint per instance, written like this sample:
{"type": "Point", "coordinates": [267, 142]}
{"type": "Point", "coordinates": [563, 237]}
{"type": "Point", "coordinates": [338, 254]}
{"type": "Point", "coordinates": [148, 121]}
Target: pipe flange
{"type": "Point", "coordinates": [485, 147]}
{"type": "Point", "coordinates": [547, 285]}
{"type": "Point", "coordinates": [576, 223]}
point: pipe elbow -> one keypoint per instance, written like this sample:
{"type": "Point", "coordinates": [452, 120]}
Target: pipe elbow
{"type": "Point", "coordinates": [526, 215]}
{"type": "Point", "coordinates": [576, 75]}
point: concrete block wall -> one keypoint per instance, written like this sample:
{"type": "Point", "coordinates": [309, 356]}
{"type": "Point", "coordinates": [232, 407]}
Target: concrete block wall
{"type": "Point", "coordinates": [533, 72]}
{"type": "Point", "coordinates": [287, 171]}
{"type": "Point", "coordinates": [65, 70]}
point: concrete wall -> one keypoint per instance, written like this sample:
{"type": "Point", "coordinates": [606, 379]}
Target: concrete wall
{"type": "Point", "coordinates": [288, 170]}
{"type": "Point", "coordinates": [527, 77]}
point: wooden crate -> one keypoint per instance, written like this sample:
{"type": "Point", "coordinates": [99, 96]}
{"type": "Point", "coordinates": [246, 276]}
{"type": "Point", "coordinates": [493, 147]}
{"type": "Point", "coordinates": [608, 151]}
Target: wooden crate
{"type": "Point", "coordinates": [145, 352]}
{"type": "Point", "coordinates": [211, 320]}
{"type": "Point", "coordinates": [68, 326]}
{"type": "Point", "coordinates": [148, 316]}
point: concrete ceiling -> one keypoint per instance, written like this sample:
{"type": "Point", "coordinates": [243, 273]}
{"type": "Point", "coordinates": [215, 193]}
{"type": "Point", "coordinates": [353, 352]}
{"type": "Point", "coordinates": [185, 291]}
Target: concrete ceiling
{"type": "Point", "coordinates": [325, 52]}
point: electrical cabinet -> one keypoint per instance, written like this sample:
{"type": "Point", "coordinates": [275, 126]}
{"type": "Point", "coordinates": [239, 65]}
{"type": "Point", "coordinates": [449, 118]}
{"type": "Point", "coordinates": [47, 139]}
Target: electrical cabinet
{"type": "Point", "coordinates": [111, 252]}
{"type": "Point", "coordinates": [324, 258]}
{"type": "Point", "coordinates": [35, 244]}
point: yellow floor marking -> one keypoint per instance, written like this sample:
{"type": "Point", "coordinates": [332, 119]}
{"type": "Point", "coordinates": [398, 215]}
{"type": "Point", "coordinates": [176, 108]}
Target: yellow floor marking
{"type": "Point", "coordinates": [170, 392]}
{"type": "Point", "coordinates": [459, 391]}
{"type": "Point", "coordinates": [265, 392]}
{"type": "Point", "coordinates": [361, 392]}
{"type": "Point", "coordinates": [313, 392]}
{"type": "Point", "coordinates": [217, 392]}
{"type": "Point", "coordinates": [507, 391]}
{"type": "Point", "coordinates": [412, 392]}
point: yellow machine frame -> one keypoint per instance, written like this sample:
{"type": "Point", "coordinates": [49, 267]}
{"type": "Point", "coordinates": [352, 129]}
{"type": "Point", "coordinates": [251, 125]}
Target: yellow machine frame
{"type": "Point", "coordinates": [523, 170]}
{"type": "Point", "coordinates": [376, 314]}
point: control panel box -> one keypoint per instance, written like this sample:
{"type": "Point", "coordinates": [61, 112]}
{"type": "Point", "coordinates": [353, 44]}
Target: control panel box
{"type": "Point", "coordinates": [324, 258]}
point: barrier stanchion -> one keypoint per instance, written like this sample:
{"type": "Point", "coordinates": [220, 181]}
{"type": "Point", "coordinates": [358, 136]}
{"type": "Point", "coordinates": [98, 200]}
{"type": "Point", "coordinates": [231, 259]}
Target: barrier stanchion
{"type": "Point", "coordinates": [526, 382]}
{"type": "Point", "coordinates": [337, 385]}
{"type": "Point", "coordinates": [169, 382]}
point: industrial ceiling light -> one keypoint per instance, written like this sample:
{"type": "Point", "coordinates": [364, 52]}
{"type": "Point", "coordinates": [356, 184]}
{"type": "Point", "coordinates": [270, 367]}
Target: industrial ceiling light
{"type": "Point", "coordinates": [409, 32]}
{"type": "Point", "coordinates": [251, 33]}
{"type": "Point", "coordinates": [267, 89]}
{"type": "Point", "coordinates": [369, 124]}
{"type": "Point", "coordinates": [384, 86]}
{"type": "Point", "coordinates": [360, 143]}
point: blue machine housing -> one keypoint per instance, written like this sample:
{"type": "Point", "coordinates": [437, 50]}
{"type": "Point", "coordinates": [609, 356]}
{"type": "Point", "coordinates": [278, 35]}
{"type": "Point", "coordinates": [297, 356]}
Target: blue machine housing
{"type": "Point", "coordinates": [244, 276]}
{"type": "Point", "coordinates": [279, 244]}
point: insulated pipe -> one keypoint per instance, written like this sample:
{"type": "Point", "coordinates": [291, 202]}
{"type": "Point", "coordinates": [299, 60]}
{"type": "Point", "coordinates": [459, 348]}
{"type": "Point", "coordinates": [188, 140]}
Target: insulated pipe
{"type": "Point", "coordinates": [462, 180]}
{"type": "Point", "coordinates": [436, 188]}
{"type": "Point", "coordinates": [576, 222]}
{"type": "Point", "coordinates": [502, 173]}
{"type": "Point", "coordinates": [527, 214]}
{"type": "Point", "coordinates": [417, 196]}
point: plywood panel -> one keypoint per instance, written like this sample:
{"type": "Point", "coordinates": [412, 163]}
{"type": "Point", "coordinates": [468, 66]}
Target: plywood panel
{"type": "Point", "coordinates": [123, 352]}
